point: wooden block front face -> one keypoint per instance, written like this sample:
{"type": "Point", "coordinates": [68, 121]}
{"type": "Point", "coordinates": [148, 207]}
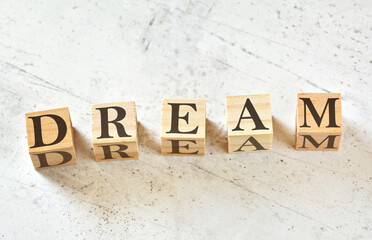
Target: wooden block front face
{"type": "Point", "coordinates": [50, 138]}
{"type": "Point", "coordinates": [114, 131]}
{"type": "Point", "coordinates": [183, 126]}
{"type": "Point", "coordinates": [319, 118]}
{"type": "Point", "coordinates": [249, 123]}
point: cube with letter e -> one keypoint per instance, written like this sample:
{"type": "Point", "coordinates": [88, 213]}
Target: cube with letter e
{"type": "Point", "coordinates": [319, 121]}
{"type": "Point", "coordinates": [50, 138]}
{"type": "Point", "coordinates": [249, 123]}
{"type": "Point", "coordinates": [183, 126]}
{"type": "Point", "coordinates": [114, 131]}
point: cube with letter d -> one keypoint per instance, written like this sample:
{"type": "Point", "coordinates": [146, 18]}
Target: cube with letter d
{"type": "Point", "coordinates": [50, 138]}
{"type": "Point", "coordinates": [249, 123]}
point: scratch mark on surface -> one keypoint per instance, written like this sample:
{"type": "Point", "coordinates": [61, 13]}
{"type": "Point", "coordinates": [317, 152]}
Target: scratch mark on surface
{"type": "Point", "coordinates": [221, 38]}
{"type": "Point", "coordinates": [315, 85]}
{"type": "Point", "coordinates": [284, 69]}
{"type": "Point", "coordinates": [317, 166]}
{"type": "Point", "coordinates": [237, 69]}
{"type": "Point", "coordinates": [266, 198]}
{"type": "Point", "coordinates": [147, 46]}
{"type": "Point", "coordinates": [152, 21]}
{"type": "Point", "coordinates": [245, 32]}
{"type": "Point", "coordinates": [56, 193]}
{"type": "Point", "coordinates": [87, 185]}
{"type": "Point", "coordinates": [147, 30]}
{"type": "Point", "coordinates": [209, 10]}
{"type": "Point", "coordinates": [160, 225]}
{"type": "Point", "coordinates": [43, 82]}
{"type": "Point", "coordinates": [20, 50]}
{"type": "Point", "coordinates": [270, 62]}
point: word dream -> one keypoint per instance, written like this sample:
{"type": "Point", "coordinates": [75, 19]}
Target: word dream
{"type": "Point", "coordinates": [183, 126]}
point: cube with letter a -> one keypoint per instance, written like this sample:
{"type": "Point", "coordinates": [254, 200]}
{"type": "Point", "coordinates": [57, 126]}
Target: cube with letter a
{"type": "Point", "coordinates": [114, 131]}
{"type": "Point", "coordinates": [183, 126]}
{"type": "Point", "coordinates": [249, 123]}
{"type": "Point", "coordinates": [319, 121]}
{"type": "Point", "coordinates": [50, 138]}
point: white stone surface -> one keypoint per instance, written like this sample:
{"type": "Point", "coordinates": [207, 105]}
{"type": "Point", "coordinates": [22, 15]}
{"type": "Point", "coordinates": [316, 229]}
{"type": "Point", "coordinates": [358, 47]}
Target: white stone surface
{"type": "Point", "coordinates": [77, 53]}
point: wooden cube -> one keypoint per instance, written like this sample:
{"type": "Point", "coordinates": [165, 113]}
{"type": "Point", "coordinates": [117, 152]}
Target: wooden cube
{"type": "Point", "coordinates": [114, 131]}
{"type": "Point", "coordinates": [183, 126]}
{"type": "Point", "coordinates": [50, 138]}
{"type": "Point", "coordinates": [319, 121]}
{"type": "Point", "coordinates": [249, 123]}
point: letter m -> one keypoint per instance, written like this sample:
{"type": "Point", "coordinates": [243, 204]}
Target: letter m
{"type": "Point", "coordinates": [330, 144]}
{"type": "Point", "coordinates": [331, 104]}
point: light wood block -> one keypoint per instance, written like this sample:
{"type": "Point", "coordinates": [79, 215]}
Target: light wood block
{"type": "Point", "coordinates": [249, 123]}
{"type": "Point", "coordinates": [50, 138]}
{"type": "Point", "coordinates": [114, 131]}
{"type": "Point", "coordinates": [319, 121]}
{"type": "Point", "coordinates": [183, 126]}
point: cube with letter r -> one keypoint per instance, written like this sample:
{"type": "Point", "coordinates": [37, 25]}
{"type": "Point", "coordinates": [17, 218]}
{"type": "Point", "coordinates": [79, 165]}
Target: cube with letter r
{"type": "Point", "coordinates": [114, 131]}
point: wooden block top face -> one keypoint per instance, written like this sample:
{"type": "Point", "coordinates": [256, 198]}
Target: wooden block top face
{"type": "Point", "coordinates": [323, 112]}
{"type": "Point", "coordinates": [49, 121]}
{"type": "Point", "coordinates": [183, 118]}
{"type": "Point", "coordinates": [248, 107]}
{"type": "Point", "coordinates": [123, 114]}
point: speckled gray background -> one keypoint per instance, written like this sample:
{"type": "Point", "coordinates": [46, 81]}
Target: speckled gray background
{"type": "Point", "coordinates": [77, 53]}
